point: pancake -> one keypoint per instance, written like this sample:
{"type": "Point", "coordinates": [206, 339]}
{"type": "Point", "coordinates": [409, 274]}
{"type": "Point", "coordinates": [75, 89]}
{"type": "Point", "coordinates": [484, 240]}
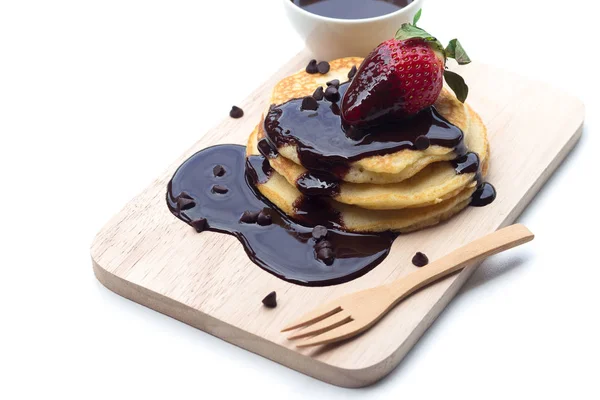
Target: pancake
{"type": "Point", "coordinates": [432, 185]}
{"type": "Point", "coordinates": [356, 219]}
{"type": "Point", "coordinates": [381, 169]}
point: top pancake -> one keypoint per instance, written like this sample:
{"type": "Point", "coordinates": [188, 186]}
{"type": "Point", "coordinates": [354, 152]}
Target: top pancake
{"type": "Point", "coordinates": [389, 168]}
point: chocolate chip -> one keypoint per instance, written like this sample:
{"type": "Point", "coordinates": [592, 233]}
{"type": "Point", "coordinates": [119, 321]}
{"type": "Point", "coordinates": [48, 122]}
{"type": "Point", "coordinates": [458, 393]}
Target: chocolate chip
{"type": "Point", "coordinates": [185, 195]}
{"type": "Point", "coordinates": [265, 148]}
{"type": "Point", "coordinates": [218, 170]}
{"type": "Point", "coordinates": [199, 224]}
{"type": "Point", "coordinates": [326, 255]}
{"type": "Point", "coordinates": [249, 217]}
{"type": "Point", "coordinates": [311, 68]}
{"type": "Point", "coordinates": [236, 112]}
{"type": "Point", "coordinates": [264, 218]}
{"type": "Point", "coordinates": [319, 232]}
{"type": "Point", "coordinates": [323, 67]}
{"type": "Point", "coordinates": [322, 244]}
{"type": "Point", "coordinates": [318, 94]}
{"type": "Point", "coordinates": [334, 82]}
{"type": "Point", "coordinates": [420, 259]}
{"type": "Point", "coordinates": [185, 203]}
{"type": "Point", "coordinates": [422, 142]}
{"type": "Point", "coordinates": [309, 103]}
{"type": "Point", "coordinates": [270, 300]}
{"type": "Point", "coordinates": [352, 72]}
{"type": "Point", "coordinates": [332, 94]}
{"type": "Point", "coordinates": [219, 189]}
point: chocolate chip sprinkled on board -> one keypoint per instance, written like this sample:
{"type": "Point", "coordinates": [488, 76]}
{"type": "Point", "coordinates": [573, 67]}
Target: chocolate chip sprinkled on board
{"type": "Point", "coordinates": [311, 68]}
{"type": "Point", "coordinates": [218, 170]}
{"type": "Point", "coordinates": [422, 142]}
{"type": "Point", "coordinates": [249, 217]}
{"type": "Point", "coordinates": [319, 232]}
{"type": "Point", "coordinates": [184, 203]}
{"type": "Point", "coordinates": [332, 94]}
{"type": "Point", "coordinates": [236, 112]}
{"type": "Point", "coordinates": [270, 300]}
{"type": "Point", "coordinates": [323, 67]}
{"type": "Point", "coordinates": [199, 224]}
{"type": "Point", "coordinates": [219, 189]}
{"type": "Point", "coordinates": [352, 72]}
{"type": "Point", "coordinates": [321, 244]}
{"type": "Point", "coordinates": [334, 82]}
{"type": "Point", "coordinates": [326, 255]}
{"type": "Point", "coordinates": [264, 219]}
{"type": "Point", "coordinates": [420, 259]}
{"type": "Point", "coordinates": [309, 103]}
{"type": "Point", "coordinates": [319, 93]}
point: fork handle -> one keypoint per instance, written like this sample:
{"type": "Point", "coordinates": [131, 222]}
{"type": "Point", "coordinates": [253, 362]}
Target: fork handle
{"type": "Point", "coordinates": [472, 253]}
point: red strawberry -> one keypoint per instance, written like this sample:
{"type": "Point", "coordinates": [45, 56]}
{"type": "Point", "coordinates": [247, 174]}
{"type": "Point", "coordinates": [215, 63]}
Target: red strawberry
{"type": "Point", "coordinates": [399, 78]}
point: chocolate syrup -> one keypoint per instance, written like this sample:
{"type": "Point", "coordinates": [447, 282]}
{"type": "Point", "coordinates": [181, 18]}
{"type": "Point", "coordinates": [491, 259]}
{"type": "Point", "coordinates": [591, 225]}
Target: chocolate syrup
{"type": "Point", "coordinates": [324, 144]}
{"type": "Point", "coordinates": [284, 247]}
{"type": "Point", "coordinates": [317, 184]}
{"type": "Point", "coordinates": [483, 195]}
{"type": "Point", "coordinates": [351, 9]}
{"type": "Point", "coordinates": [469, 163]}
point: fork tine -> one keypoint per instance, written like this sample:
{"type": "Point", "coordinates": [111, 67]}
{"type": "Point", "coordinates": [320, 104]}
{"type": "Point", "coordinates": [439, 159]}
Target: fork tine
{"type": "Point", "coordinates": [340, 333]}
{"type": "Point", "coordinates": [324, 325]}
{"type": "Point", "coordinates": [313, 316]}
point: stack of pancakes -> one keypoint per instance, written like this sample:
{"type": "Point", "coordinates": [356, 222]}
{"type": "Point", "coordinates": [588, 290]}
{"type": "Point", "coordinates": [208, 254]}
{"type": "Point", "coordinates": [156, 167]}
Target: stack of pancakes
{"type": "Point", "coordinates": [402, 191]}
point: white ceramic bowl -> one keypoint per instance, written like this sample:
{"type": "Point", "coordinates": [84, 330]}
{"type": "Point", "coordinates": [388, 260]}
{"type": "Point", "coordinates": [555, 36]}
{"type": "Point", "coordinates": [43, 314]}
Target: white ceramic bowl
{"type": "Point", "coordinates": [331, 38]}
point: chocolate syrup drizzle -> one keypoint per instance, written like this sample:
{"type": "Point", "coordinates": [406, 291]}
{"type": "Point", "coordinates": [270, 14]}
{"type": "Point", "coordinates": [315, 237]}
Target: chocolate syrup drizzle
{"type": "Point", "coordinates": [325, 144]}
{"type": "Point", "coordinates": [215, 189]}
{"type": "Point", "coordinates": [326, 147]}
{"type": "Point", "coordinates": [284, 248]}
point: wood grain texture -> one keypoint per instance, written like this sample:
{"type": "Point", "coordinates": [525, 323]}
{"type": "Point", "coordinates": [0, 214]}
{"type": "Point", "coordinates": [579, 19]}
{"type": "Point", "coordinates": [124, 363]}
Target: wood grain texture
{"type": "Point", "coordinates": [354, 313]}
{"type": "Point", "coordinates": [145, 254]}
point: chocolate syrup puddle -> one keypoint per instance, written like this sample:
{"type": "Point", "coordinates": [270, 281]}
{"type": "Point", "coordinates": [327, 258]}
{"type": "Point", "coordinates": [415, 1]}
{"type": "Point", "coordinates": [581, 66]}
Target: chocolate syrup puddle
{"type": "Point", "coordinates": [324, 144]}
{"type": "Point", "coordinates": [284, 248]}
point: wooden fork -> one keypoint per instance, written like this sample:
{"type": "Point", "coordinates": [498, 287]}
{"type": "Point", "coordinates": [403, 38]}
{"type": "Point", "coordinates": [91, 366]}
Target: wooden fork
{"type": "Point", "coordinates": [354, 313]}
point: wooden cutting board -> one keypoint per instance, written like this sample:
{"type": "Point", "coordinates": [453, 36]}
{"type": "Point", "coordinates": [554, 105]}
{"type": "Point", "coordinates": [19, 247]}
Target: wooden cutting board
{"type": "Point", "coordinates": [145, 254]}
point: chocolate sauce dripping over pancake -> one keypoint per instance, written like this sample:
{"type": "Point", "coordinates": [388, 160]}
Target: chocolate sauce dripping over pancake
{"type": "Point", "coordinates": [318, 184]}
{"type": "Point", "coordinates": [285, 248]}
{"type": "Point", "coordinates": [324, 144]}
{"type": "Point", "coordinates": [484, 195]}
{"type": "Point", "coordinates": [485, 192]}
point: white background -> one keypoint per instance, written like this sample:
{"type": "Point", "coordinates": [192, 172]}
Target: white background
{"type": "Point", "coordinates": [98, 97]}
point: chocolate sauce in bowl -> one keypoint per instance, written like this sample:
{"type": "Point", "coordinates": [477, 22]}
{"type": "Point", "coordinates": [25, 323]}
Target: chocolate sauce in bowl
{"type": "Point", "coordinates": [351, 9]}
{"type": "Point", "coordinates": [284, 247]}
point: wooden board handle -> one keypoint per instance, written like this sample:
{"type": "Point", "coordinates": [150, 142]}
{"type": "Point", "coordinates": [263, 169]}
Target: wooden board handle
{"type": "Point", "coordinates": [476, 251]}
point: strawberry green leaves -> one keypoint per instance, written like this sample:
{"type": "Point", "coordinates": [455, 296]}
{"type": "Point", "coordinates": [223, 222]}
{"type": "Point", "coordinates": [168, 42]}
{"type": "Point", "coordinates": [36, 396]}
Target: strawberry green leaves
{"type": "Point", "coordinates": [455, 81]}
{"type": "Point", "coordinates": [453, 50]}
{"type": "Point", "coordinates": [417, 17]}
{"type": "Point", "coordinates": [456, 51]}
{"type": "Point", "coordinates": [457, 84]}
{"type": "Point", "coordinates": [410, 31]}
